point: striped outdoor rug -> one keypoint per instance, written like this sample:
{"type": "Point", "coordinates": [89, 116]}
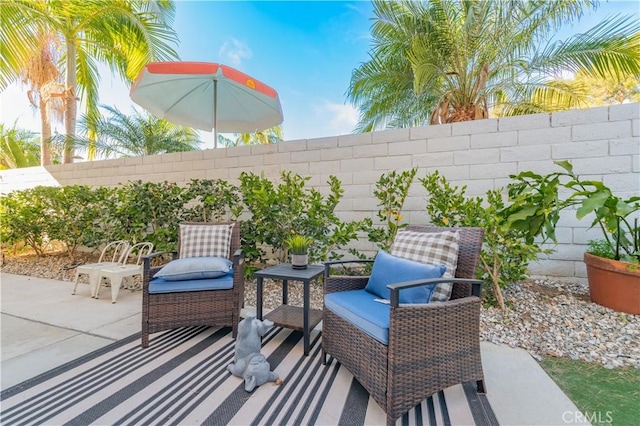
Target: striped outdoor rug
{"type": "Point", "coordinates": [181, 379]}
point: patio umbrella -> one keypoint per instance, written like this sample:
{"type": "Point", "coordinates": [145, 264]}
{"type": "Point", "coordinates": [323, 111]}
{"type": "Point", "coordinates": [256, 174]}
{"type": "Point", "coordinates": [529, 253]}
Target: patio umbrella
{"type": "Point", "coordinates": [207, 96]}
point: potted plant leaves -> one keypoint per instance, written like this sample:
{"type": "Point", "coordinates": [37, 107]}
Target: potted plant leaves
{"type": "Point", "coordinates": [298, 247]}
{"type": "Point", "coordinates": [613, 262]}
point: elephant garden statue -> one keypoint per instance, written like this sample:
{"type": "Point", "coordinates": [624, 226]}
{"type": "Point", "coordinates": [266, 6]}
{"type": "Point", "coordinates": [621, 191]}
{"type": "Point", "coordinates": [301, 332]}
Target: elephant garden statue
{"type": "Point", "coordinates": [248, 362]}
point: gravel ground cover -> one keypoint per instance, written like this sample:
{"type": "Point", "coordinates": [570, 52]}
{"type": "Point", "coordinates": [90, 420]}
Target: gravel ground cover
{"type": "Point", "coordinates": [544, 317]}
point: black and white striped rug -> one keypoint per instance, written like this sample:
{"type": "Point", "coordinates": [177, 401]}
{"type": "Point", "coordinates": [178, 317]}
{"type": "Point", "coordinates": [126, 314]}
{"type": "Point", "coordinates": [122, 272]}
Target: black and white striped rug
{"type": "Point", "coordinates": [181, 379]}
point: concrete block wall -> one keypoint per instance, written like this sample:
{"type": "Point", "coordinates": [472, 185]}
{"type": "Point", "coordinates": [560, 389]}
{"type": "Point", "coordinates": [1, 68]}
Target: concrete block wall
{"type": "Point", "coordinates": [602, 143]}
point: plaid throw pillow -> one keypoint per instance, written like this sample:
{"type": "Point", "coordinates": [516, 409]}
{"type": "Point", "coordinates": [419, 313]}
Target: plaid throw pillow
{"type": "Point", "coordinates": [435, 248]}
{"type": "Point", "coordinates": [205, 240]}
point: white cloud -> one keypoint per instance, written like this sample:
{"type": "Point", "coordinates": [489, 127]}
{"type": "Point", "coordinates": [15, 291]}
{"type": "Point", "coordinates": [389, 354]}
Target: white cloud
{"type": "Point", "coordinates": [342, 118]}
{"type": "Point", "coordinates": [320, 119]}
{"type": "Point", "coordinates": [235, 51]}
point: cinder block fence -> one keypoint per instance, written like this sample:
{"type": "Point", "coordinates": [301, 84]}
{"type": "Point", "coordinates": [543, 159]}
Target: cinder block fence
{"type": "Point", "coordinates": [602, 143]}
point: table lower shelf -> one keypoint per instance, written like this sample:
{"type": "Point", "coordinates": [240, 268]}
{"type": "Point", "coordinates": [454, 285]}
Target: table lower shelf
{"type": "Point", "coordinates": [292, 317]}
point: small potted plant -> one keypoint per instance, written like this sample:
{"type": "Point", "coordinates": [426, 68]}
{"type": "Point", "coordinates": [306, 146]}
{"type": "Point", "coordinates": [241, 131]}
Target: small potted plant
{"type": "Point", "coordinates": [298, 246]}
{"type": "Point", "coordinates": [613, 262]}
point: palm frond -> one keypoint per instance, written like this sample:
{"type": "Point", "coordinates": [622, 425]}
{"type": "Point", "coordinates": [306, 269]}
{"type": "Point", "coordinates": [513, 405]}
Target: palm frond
{"type": "Point", "coordinates": [22, 23]}
{"type": "Point", "coordinates": [610, 49]}
{"type": "Point", "coordinates": [121, 135]}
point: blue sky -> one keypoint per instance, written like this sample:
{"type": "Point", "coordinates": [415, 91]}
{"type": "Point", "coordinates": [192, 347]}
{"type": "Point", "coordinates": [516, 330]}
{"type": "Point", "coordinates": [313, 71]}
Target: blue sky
{"type": "Point", "coordinates": [305, 50]}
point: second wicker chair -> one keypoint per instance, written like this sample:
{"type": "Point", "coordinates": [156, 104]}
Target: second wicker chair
{"type": "Point", "coordinates": [430, 347]}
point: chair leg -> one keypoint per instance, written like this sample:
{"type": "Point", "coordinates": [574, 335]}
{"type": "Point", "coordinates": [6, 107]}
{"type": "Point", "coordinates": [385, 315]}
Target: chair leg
{"type": "Point", "coordinates": [390, 421]}
{"type": "Point", "coordinates": [480, 387]}
{"type": "Point", "coordinates": [94, 277]}
{"type": "Point", "coordinates": [116, 282]}
{"type": "Point", "coordinates": [75, 287]}
{"type": "Point", "coordinates": [234, 329]}
{"type": "Point", "coordinates": [99, 280]}
{"type": "Point", "coordinates": [145, 325]}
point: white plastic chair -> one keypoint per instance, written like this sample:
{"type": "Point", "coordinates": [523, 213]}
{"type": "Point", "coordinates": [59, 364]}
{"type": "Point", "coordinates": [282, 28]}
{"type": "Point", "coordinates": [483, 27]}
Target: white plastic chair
{"type": "Point", "coordinates": [124, 271]}
{"type": "Point", "coordinates": [112, 254]}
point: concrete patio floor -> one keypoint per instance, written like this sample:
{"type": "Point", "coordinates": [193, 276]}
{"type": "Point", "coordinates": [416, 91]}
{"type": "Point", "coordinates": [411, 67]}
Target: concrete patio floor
{"type": "Point", "coordinates": [44, 326]}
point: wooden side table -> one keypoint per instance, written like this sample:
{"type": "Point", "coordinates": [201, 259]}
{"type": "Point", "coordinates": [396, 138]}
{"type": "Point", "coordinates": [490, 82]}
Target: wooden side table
{"type": "Point", "coordinates": [298, 318]}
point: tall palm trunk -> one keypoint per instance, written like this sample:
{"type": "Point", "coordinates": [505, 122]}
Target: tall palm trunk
{"type": "Point", "coordinates": [41, 73]}
{"type": "Point", "coordinates": [45, 135]}
{"type": "Point", "coordinates": [70, 114]}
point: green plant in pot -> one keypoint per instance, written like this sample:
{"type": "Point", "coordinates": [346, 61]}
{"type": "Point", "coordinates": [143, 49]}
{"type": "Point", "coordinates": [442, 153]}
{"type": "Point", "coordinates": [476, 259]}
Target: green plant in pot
{"type": "Point", "coordinates": [298, 247]}
{"type": "Point", "coordinates": [613, 262]}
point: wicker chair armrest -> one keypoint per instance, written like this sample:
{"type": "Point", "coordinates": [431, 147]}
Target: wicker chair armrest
{"type": "Point", "coordinates": [331, 263]}
{"type": "Point", "coordinates": [147, 259]}
{"type": "Point", "coordinates": [340, 262]}
{"type": "Point", "coordinates": [439, 306]}
{"type": "Point", "coordinates": [149, 271]}
{"type": "Point", "coordinates": [238, 258]}
{"type": "Point", "coordinates": [337, 283]}
{"type": "Point", "coordinates": [396, 287]}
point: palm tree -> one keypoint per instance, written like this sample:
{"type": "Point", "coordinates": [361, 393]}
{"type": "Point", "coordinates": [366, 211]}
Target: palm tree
{"type": "Point", "coordinates": [441, 61]}
{"type": "Point", "coordinates": [41, 73]}
{"type": "Point", "coordinates": [121, 135]}
{"type": "Point", "coordinates": [18, 148]}
{"type": "Point", "coordinates": [123, 34]}
{"type": "Point", "coordinates": [601, 92]}
{"type": "Point", "coordinates": [265, 137]}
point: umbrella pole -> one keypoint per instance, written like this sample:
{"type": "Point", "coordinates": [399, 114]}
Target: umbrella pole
{"type": "Point", "coordinates": [215, 114]}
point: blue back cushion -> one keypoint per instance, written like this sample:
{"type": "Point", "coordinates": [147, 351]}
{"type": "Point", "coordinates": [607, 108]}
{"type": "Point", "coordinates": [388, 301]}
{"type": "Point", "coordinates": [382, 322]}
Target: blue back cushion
{"type": "Point", "coordinates": [388, 269]}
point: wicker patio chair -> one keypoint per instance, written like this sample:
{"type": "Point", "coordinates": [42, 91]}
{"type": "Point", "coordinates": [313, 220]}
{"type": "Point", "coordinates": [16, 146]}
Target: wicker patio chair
{"type": "Point", "coordinates": [190, 302]}
{"type": "Point", "coordinates": [431, 346]}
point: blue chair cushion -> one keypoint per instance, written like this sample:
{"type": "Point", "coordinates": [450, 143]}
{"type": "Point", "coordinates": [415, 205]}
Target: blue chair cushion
{"type": "Point", "coordinates": [159, 285]}
{"type": "Point", "coordinates": [194, 268]}
{"type": "Point", "coordinates": [388, 269]}
{"type": "Point", "coordinates": [360, 309]}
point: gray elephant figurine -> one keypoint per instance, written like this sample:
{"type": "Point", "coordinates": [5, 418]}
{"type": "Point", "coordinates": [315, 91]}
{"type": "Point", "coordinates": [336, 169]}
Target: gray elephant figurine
{"type": "Point", "coordinates": [248, 363]}
{"type": "Point", "coordinates": [259, 372]}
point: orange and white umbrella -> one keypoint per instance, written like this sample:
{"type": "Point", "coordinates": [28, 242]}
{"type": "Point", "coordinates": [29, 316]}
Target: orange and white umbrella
{"type": "Point", "coordinates": [207, 96]}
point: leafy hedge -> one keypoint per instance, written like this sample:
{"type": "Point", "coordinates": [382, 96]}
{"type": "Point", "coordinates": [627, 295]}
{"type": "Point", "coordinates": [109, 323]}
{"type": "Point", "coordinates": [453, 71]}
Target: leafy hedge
{"type": "Point", "coordinates": [270, 213]}
{"type": "Point", "coordinates": [80, 216]}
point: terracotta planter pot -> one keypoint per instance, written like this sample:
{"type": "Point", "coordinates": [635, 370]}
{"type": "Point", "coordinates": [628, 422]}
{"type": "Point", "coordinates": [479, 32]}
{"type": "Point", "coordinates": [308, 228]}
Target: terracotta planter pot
{"type": "Point", "coordinates": [613, 284]}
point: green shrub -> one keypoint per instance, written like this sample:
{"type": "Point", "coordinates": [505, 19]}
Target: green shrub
{"type": "Point", "coordinates": [279, 211]}
{"type": "Point", "coordinates": [212, 201]}
{"type": "Point", "coordinates": [391, 191]}
{"type": "Point", "coordinates": [506, 251]}
{"type": "Point", "coordinates": [105, 226]}
{"type": "Point", "coordinates": [26, 216]}
{"type": "Point", "coordinates": [74, 210]}
{"type": "Point", "coordinates": [148, 211]}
